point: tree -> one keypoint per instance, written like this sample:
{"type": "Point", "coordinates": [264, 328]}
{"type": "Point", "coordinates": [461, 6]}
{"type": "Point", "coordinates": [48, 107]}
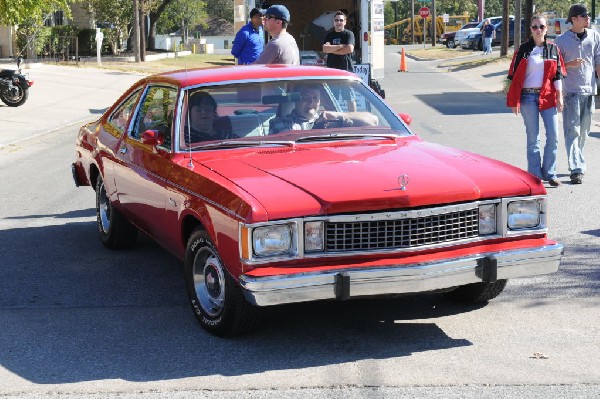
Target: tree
{"type": "Point", "coordinates": [29, 16]}
{"type": "Point", "coordinates": [154, 9]}
{"type": "Point", "coordinates": [17, 12]}
{"type": "Point", "coordinates": [221, 9]}
{"type": "Point", "coordinates": [180, 15]}
{"type": "Point", "coordinates": [117, 13]}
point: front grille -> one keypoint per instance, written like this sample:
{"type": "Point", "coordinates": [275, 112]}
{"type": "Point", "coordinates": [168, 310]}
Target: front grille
{"type": "Point", "coordinates": [401, 233]}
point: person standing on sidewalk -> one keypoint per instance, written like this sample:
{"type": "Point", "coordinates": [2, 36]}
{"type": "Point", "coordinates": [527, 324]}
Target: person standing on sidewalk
{"type": "Point", "coordinates": [535, 90]}
{"type": "Point", "coordinates": [339, 44]}
{"type": "Point", "coordinates": [282, 49]}
{"type": "Point", "coordinates": [580, 47]}
{"type": "Point", "coordinates": [488, 32]}
{"type": "Point", "coordinates": [339, 47]}
{"type": "Point", "coordinates": [249, 42]}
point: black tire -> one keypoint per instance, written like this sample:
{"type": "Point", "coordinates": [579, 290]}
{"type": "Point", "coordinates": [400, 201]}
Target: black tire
{"type": "Point", "coordinates": [477, 292]}
{"type": "Point", "coordinates": [15, 99]}
{"type": "Point", "coordinates": [216, 299]}
{"type": "Point", "coordinates": [450, 44]}
{"type": "Point", "coordinates": [115, 231]}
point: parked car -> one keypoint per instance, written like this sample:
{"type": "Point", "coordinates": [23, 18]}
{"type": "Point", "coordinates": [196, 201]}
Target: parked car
{"type": "Point", "coordinates": [311, 58]}
{"type": "Point", "coordinates": [474, 40]}
{"type": "Point", "coordinates": [463, 33]}
{"type": "Point", "coordinates": [268, 207]}
{"type": "Point", "coordinates": [448, 38]}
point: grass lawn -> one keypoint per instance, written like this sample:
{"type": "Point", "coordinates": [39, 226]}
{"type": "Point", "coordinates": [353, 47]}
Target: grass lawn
{"type": "Point", "coordinates": [163, 65]}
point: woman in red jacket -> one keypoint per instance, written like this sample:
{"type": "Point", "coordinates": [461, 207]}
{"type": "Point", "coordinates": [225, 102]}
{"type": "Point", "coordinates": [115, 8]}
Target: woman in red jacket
{"type": "Point", "coordinates": [535, 90]}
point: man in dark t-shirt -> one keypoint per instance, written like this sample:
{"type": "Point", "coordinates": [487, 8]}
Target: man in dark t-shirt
{"type": "Point", "coordinates": [339, 44]}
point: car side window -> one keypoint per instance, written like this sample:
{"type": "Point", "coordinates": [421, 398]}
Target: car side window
{"type": "Point", "coordinates": [120, 118]}
{"type": "Point", "coordinates": [156, 113]}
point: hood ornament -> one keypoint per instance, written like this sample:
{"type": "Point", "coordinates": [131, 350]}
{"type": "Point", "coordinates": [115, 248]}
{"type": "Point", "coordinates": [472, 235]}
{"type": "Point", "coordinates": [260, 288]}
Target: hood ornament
{"type": "Point", "coordinates": [403, 182]}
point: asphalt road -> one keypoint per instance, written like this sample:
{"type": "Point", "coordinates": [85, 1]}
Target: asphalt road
{"type": "Point", "coordinates": [79, 321]}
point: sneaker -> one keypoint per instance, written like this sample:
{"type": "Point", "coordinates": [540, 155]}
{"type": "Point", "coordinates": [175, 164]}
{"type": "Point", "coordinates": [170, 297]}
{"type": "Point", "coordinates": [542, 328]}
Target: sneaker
{"type": "Point", "coordinates": [577, 178]}
{"type": "Point", "coordinates": [554, 182]}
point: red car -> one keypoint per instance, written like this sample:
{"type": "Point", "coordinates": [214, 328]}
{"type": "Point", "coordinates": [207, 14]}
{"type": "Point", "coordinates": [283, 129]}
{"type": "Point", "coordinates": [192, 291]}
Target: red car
{"type": "Point", "coordinates": [279, 184]}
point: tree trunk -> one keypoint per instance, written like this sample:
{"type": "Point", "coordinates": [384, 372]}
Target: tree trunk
{"type": "Point", "coordinates": [505, 29]}
{"type": "Point", "coordinates": [518, 32]}
{"type": "Point", "coordinates": [154, 16]}
{"type": "Point", "coordinates": [528, 15]}
{"type": "Point", "coordinates": [136, 31]}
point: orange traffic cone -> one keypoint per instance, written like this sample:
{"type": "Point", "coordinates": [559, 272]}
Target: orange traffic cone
{"type": "Point", "coordinates": [403, 67]}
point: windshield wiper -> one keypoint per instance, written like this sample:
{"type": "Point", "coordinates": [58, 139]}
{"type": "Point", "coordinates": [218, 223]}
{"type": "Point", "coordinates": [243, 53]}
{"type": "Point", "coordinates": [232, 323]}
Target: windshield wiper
{"type": "Point", "coordinates": [347, 136]}
{"type": "Point", "coordinates": [242, 143]}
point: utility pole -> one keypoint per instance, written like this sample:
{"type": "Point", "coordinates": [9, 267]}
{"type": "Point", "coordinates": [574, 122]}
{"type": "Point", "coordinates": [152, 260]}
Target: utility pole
{"type": "Point", "coordinates": [142, 32]}
{"type": "Point", "coordinates": [518, 32]}
{"type": "Point", "coordinates": [136, 31]}
{"type": "Point", "coordinates": [480, 10]}
{"type": "Point", "coordinates": [412, 21]}
{"type": "Point", "coordinates": [396, 20]}
{"type": "Point", "coordinates": [434, 23]}
{"type": "Point", "coordinates": [505, 29]}
{"type": "Point", "coordinates": [528, 15]}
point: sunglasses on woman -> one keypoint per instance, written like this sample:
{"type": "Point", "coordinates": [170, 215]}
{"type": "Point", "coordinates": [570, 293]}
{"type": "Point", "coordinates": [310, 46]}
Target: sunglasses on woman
{"type": "Point", "coordinates": [536, 27]}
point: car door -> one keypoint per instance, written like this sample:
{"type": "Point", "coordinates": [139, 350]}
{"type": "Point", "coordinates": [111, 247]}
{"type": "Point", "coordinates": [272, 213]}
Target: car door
{"type": "Point", "coordinates": [142, 170]}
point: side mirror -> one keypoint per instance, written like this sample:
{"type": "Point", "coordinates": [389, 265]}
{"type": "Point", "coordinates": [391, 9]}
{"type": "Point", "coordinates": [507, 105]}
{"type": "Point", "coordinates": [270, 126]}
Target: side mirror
{"type": "Point", "coordinates": [405, 117]}
{"type": "Point", "coordinates": [153, 137]}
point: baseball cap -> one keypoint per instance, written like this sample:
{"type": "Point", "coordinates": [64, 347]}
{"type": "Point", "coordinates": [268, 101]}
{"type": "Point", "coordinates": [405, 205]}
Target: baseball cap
{"type": "Point", "coordinates": [279, 11]}
{"type": "Point", "coordinates": [575, 11]}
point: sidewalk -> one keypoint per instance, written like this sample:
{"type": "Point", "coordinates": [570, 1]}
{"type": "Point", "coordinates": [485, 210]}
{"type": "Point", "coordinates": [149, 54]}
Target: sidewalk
{"type": "Point", "coordinates": [61, 96]}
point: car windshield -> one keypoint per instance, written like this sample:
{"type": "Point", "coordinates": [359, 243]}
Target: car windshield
{"type": "Point", "coordinates": [295, 111]}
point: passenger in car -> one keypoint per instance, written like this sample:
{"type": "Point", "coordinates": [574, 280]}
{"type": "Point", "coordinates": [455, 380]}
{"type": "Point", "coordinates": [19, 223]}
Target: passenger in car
{"type": "Point", "coordinates": [201, 121]}
{"type": "Point", "coordinates": [306, 115]}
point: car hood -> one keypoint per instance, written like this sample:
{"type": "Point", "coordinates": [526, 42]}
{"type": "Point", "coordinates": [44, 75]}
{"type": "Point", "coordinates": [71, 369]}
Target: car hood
{"type": "Point", "coordinates": [465, 32]}
{"type": "Point", "coordinates": [350, 177]}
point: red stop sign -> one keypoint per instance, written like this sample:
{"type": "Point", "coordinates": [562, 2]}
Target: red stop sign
{"type": "Point", "coordinates": [424, 12]}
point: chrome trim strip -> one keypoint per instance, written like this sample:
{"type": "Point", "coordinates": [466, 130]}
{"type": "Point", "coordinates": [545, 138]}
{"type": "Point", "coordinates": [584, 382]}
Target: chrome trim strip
{"type": "Point", "coordinates": [400, 279]}
{"type": "Point", "coordinates": [408, 214]}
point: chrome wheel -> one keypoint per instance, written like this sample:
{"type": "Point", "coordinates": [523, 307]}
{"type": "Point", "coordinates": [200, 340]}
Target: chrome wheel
{"type": "Point", "coordinates": [209, 282]}
{"type": "Point", "coordinates": [15, 95]}
{"type": "Point", "coordinates": [103, 210]}
{"type": "Point", "coordinates": [115, 231]}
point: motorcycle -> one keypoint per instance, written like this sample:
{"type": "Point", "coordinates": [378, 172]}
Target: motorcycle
{"type": "Point", "coordinates": [14, 86]}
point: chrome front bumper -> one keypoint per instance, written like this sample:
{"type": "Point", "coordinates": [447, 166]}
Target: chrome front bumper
{"type": "Point", "coordinates": [398, 279]}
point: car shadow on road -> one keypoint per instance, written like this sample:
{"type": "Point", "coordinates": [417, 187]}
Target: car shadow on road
{"type": "Point", "coordinates": [466, 103]}
{"type": "Point", "coordinates": [74, 311]}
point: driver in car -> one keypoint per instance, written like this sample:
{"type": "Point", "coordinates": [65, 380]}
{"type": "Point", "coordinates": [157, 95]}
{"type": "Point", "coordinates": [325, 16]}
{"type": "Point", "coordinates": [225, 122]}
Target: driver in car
{"type": "Point", "coordinates": [306, 115]}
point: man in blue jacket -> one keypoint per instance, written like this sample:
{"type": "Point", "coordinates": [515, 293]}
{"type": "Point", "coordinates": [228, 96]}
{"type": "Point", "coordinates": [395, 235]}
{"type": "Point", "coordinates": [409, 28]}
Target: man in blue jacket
{"type": "Point", "coordinates": [249, 42]}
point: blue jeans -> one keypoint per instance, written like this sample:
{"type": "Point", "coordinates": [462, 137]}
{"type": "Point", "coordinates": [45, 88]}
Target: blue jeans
{"type": "Point", "coordinates": [577, 120]}
{"type": "Point", "coordinates": [530, 111]}
{"type": "Point", "coordinates": [487, 45]}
